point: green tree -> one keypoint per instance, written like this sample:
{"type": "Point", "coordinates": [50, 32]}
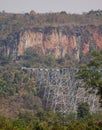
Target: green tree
{"type": "Point", "coordinates": [91, 73]}
{"type": "Point", "coordinates": [83, 110]}
{"type": "Point", "coordinates": [32, 57]}
{"type": "Point", "coordinates": [50, 60]}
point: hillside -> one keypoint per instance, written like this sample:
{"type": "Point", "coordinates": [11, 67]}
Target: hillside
{"type": "Point", "coordinates": [60, 34]}
{"type": "Point", "coordinates": [41, 40]}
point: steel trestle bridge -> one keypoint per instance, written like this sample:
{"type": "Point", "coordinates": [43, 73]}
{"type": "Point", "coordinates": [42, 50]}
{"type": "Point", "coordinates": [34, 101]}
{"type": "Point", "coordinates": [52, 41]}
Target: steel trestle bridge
{"type": "Point", "coordinates": [61, 91]}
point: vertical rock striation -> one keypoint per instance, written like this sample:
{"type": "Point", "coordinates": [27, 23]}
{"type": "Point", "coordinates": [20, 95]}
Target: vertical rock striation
{"type": "Point", "coordinates": [60, 41]}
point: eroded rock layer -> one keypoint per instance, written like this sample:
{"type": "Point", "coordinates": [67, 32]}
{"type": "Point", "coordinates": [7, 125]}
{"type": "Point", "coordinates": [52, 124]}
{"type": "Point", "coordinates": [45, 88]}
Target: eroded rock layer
{"type": "Point", "coordinates": [61, 40]}
{"type": "Point", "coordinates": [58, 41]}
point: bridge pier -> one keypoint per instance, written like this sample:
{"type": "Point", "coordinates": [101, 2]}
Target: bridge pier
{"type": "Point", "coordinates": [61, 91]}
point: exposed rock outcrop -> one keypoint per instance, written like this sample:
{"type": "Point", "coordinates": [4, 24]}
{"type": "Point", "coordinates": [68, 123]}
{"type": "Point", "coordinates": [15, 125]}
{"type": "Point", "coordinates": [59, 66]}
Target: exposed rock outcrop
{"type": "Point", "coordinates": [61, 40]}
{"type": "Point", "coordinates": [58, 41]}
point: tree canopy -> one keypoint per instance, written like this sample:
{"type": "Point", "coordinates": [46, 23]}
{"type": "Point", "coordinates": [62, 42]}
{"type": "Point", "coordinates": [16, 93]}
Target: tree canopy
{"type": "Point", "coordinates": [91, 73]}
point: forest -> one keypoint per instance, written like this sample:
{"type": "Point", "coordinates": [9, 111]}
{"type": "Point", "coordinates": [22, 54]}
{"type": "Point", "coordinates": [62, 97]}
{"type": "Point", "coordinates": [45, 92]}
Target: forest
{"type": "Point", "coordinates": [10, 22]}
{"type": "Point", "coordinates": [21, 107]}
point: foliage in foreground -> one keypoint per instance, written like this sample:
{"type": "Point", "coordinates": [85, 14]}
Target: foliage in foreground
{"type": "Point", "coordinates": [27, 122]}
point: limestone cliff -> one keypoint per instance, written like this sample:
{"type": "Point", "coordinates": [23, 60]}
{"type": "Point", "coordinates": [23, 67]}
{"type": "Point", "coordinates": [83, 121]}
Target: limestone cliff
{"type": "Point", "coordinates": [61, 40]}
{"type": "Point", "coordinates": [50, 40]}
{"type": "Point", "coordinates": [58, 41]}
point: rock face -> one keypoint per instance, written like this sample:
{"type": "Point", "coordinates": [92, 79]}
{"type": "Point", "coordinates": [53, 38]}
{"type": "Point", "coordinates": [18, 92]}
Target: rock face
{"type": "Point", "coordinates": [61, 40]}
{"type": "Point", "coordinates": [55, 41]}
{"type": "Point", "coordinates": [58, 41]}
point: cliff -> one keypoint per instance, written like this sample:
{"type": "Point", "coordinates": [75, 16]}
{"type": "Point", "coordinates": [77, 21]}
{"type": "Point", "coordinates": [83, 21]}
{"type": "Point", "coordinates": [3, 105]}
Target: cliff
{"type": "Point", "coordinates": [59, 41]}
{"type": "Point", "coordinates": [67, 37]}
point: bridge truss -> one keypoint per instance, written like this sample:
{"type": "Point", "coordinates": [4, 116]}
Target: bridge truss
{"type": "Point", "coordinates": [61, 91]}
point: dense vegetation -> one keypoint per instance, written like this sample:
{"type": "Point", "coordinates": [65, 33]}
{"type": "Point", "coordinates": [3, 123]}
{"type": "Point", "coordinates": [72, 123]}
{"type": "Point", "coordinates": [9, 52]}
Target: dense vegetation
{"type": "Point", "coordinates": [20, 103]}
{"type": "Point", "coordinates": [91, 73]}
{"type": "Point", "coordinates": [17, 86]}
{"type": "Point", "coordinates": [13, 80]}
{"type": "Point", "coordinates": [51, 121]}
{"type": "Point", "coordinates": [10, 22]}
{"type": "Point", "coordinates": [32, 58]}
